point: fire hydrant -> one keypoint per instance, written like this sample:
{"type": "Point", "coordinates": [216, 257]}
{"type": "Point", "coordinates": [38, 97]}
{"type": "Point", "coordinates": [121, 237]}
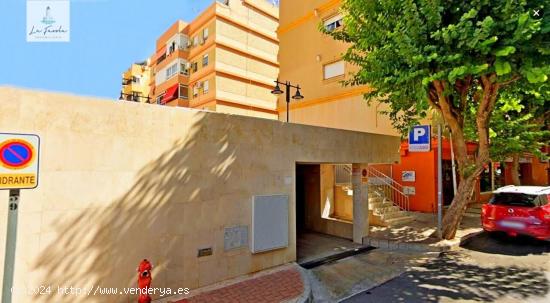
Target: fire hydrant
{"type": "Point", "coordinates": [144, 281]}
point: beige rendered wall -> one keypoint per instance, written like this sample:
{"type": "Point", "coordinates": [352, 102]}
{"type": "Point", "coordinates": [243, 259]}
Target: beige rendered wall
{"type": "Point", "coordinates": [245, 40]}
{"type": "Point", "coordinates": [343, 204]}
{"type": "Point", "coordinates": [245, 66]}
{"type": "Point", "coordinates": [320, 202]}
{"type": "Point", "coordinates": [351, 113]}
{"type": "Point", "coordinates": [112, 192]}
{"type": "Point", "coordinates": [236, 90]}
{"type": "Point", "coordinates": [253, 14]}
{"type": "Point", "coordinates": [243, 111]}
{"type": "Point", "coordinates": [327, 102]}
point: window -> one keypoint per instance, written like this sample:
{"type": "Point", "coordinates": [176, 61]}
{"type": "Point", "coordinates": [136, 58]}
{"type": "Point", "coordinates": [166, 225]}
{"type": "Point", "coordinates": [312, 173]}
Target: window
{"type": "Point", "coordinates": [205, 87]}
{"type": "Point", "coordinates": [205, 33]}
{"type": "Point", "coordinates": [195, 66]}
{"type": "Point", "coordinates": [205, 60]}
{"type": "Point", "coordinates": [135, 79]}
{"type": "Point", "coordinates": [135, 96]}
{"type": "Point", "coordinates": [183, 69]}
{"type": "Point", "coordinates": [196, 40]}
{"type": "Point", "coordinates": [333, 70]}
{"type": "Point", "coordinates": [171, 71]}
{"type": "Point", "coordinates": [172, 48]}
{"type": "Point", "coordinates": [183, 92]}
{"type": "Point", "coordinates": [542, 200]}
{"type": "Point", "coordinates": [195, 90]}
{"type": "Point", "coordinates": [333, 23]}
{"type": "Point", "coordinates": [514, 199]}
{"type": "Point", "coordinates": [159, 98]}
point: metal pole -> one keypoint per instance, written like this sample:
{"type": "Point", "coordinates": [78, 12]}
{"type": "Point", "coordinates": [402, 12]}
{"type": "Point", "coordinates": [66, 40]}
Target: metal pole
{"type": "Point", "coordinates": [453, 165]}
{"type": "Point", "coordinates": [439, 183]}
{"type": "Point", "coordinates": [287, 100]}
{"type": "Point", "coordinates": [11, 239]}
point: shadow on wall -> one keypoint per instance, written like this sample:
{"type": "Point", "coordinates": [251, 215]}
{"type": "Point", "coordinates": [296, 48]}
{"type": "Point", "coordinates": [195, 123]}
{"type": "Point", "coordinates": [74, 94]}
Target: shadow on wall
{"type": "Point", "coordinates": [161, 218]}
{"type": "Point", "coordinates": [448, 279]}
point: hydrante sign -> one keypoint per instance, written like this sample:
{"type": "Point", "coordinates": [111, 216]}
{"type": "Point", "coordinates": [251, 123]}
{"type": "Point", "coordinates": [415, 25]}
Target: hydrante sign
{"type": "Point", "coordinates": [48, 21]}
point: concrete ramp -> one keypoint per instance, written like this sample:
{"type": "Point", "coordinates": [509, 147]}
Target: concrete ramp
{"type": "Point", "coordinates": [341, 279]}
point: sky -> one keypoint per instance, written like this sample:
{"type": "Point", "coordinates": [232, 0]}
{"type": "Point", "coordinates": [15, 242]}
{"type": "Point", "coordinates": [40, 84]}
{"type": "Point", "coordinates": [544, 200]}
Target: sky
{"type": "Point", "coordinates": [107, 36]}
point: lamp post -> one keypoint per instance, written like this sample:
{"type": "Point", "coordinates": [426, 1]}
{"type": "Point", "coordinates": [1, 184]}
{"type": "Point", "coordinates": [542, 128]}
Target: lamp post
{"type": "Point", "coordinates": [277, 91]}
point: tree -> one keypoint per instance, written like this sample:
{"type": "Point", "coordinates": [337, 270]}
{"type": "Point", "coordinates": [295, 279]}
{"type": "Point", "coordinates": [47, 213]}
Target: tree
{"type": "Point", "coordinates": [450, 55]}
{"type": "Point", "coordinates": [519, 125]}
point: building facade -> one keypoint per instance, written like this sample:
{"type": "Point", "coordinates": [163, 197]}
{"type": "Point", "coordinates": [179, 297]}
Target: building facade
{"type": "Point", "coordinates": [225, 60]}
{"type": "Point", "coordinates": [314, 61]}
{"type": "Point", "coordinates": [136, 83]}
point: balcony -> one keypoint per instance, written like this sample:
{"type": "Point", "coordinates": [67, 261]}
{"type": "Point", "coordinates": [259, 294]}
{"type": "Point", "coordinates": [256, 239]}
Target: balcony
{"type": "Point", "coordinates": [133, 97]}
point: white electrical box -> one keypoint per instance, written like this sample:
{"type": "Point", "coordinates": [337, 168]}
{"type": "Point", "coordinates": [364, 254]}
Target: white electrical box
{"type": "Point", "coordinates": [269, 223]}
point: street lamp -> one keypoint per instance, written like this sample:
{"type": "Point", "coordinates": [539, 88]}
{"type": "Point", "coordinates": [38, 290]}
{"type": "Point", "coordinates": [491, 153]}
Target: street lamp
{"type": "Point", "coordinates": [277, 91]}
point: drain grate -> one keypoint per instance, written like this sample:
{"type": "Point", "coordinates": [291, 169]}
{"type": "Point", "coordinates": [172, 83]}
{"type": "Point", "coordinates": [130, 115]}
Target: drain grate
{"type": "Point", "coordinates": [348, 253]}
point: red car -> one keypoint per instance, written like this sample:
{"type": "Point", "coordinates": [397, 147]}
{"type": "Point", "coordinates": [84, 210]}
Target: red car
{"type": "Point", "coordinates": [519, 210]}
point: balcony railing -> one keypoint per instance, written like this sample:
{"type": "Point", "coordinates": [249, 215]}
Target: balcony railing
{"type": "Point", "coordinates": [134, 98]}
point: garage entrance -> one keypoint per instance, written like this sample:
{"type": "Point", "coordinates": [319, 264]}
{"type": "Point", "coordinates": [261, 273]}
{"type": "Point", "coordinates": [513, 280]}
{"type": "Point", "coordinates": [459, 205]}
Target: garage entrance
{"type": "Point", "coordinates": [324, 213]}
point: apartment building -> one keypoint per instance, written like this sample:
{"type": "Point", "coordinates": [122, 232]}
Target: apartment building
{"type": "Point", "coordinates": [136, 82]}
{"type": "Point", "coordinates": [225, 60]}
{"type": "Point", "coordinates": [314, 61]}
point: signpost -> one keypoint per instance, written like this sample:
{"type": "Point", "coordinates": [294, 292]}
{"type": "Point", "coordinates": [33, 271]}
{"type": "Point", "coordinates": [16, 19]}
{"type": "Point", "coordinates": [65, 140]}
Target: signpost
{"type": "Point", "coordinates": [420, 140]}
{"type": "Point", "coordinates": [19, 154]}
{"type": "Point", "coordinates": [439, 182]}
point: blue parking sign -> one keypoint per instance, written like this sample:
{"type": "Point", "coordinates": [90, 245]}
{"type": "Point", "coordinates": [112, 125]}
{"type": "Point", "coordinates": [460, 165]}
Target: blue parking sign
{"type": "Point", "coordinates": [420, 138]}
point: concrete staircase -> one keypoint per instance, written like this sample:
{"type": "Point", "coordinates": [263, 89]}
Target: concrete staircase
{"type": "Point", "coordinates": [382, 211]}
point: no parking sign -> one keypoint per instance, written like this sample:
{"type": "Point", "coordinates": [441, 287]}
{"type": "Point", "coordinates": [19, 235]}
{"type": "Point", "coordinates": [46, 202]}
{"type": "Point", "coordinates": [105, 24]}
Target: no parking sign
{"type": "Point", "coordinates": [19, 155]}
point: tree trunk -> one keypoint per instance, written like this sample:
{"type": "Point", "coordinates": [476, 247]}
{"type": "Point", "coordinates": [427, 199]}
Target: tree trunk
{"type": "Point", "coordinates": [515, 170]}
{"type": "Point", "coordinates": [468, 168]}
{"type": "Point", "coordinates": [454, 214]}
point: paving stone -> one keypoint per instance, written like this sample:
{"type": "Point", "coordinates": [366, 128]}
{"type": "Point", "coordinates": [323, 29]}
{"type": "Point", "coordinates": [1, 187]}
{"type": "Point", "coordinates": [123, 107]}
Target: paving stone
{"type": "Point", "coordinates": [271, 288]}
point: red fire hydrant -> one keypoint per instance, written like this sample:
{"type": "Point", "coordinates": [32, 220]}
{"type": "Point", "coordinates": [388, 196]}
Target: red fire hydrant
{"type": "Point", "coordinates": [144, 281]}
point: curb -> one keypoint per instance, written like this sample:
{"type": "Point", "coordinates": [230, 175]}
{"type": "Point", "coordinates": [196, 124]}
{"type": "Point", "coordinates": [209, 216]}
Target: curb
{"type": "Point", "coordinates": [408, 246]}
{"type": "Point", "coordinates": [420, 247]}
{"type": "Point", "coordinates": [307, 295]}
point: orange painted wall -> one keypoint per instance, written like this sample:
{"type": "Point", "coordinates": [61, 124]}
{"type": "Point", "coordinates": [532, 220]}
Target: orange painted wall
{"type": "Point", "coordinates": [540, 172]}
{"type": "Point", "coordinates": [425, 166]}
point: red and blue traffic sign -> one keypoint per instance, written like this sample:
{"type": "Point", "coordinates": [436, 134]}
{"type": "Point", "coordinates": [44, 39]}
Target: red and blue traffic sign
{"type": "Point", "coordinates": [16, 154]}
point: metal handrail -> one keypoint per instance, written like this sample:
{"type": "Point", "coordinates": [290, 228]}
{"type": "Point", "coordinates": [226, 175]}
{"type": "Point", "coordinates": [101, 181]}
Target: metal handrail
{"type": "Point", "coordinates": [392, 190]}
{"type": "Point", "coordinates": [342, 174]}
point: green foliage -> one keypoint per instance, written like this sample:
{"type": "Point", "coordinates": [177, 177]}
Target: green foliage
{"type": "Point", "coordinates": [520, 123]}
{"type": "Point", "coordinates": [402, 46]}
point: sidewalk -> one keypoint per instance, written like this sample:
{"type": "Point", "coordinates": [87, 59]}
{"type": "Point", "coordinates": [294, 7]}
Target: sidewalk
{"type": "Point", "coordinates": [418, 234]}
{"type": "Point", "coordinates": [283, 284]}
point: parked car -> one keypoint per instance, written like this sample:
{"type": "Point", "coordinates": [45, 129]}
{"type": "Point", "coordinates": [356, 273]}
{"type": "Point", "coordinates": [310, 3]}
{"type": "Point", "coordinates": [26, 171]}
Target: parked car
{"type": "Point", "coordinates": [519, 210]}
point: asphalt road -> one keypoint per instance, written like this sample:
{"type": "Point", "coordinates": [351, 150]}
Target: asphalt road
{"type": "Point", "coordinates": [489, 268]}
